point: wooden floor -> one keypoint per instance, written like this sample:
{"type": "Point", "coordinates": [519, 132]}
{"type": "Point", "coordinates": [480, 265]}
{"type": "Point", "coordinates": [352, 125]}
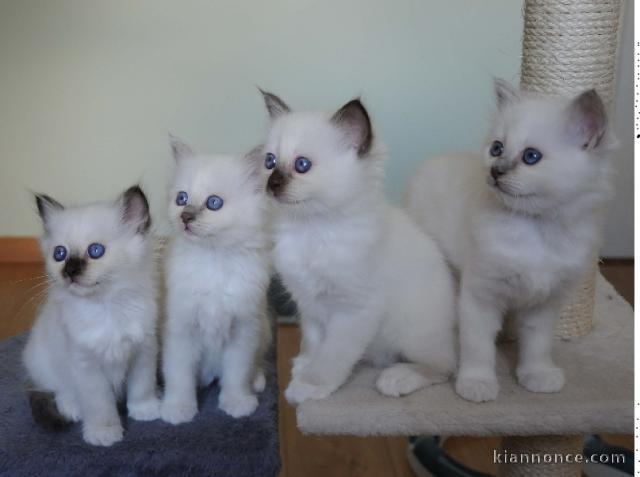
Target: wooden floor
{"type": "Point", "coordinates": [22, 288]}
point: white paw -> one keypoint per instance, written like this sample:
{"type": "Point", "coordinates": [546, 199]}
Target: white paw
{"type": "Point", "coordinates": [398, 381]}
{"type": "Point", "coordinates": [178, 412]}
{"type": "Point", "coordinates": [299, 391]}
{"type": "Point", "coordinates": [238, 405]}
{"type": "Point", "coordinates": [259, 382]}
{"type": "Point", "coordinates": [299, 363]}
{"type": "Point", "coordinates": [477, 388]}
{"type": "Point", "coordinates": [102, 435]}
{"type": "Point", "coordinates": [68, 407]}
{"type": "Point", "coordinates": [542, 380]}
{"type": "Point", "coordinates": [147, 410]}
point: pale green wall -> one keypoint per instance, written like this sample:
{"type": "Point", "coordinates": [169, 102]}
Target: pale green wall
{"type": "Point", "coordinates": [90, 89]}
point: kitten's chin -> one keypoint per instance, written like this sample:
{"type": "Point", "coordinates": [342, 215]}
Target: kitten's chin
{"type": "Point", "coordinates": [521, 203]}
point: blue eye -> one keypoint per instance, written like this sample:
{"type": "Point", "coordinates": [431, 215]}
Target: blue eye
{"type": "Point", "coordinates": [59, 253]}
{"type": "Point", "coordinates": [214, 202]}
{"type": "Point", "coordinates": [96, 250]}
{"type": "Point", "coordinates": [530, 156]}
{"type": "Point", "coordinates": [182, 198]}
{"type": "Point", "coordinates": [302, 165]}
{"type": "Point", "coordinates": [270, 161]}
{"type": "Point", "coordinates": [496, 149]}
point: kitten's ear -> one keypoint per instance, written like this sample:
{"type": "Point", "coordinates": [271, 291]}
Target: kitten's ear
{"type": "Point", "coordinates": [179, 148]}
{"type": "Point", "coordinates": [254, 160]}
{"type": "Point", "coordinates": [47, 206]}
{"type": "Point", "coordinates": [275, 106]}
{"type": "Point", "coordinates": [353, 120]}
{"type": "Point", "coordinates": [506, 93]}
{"type": "Point", "coordinates": [135, 209]}
{"type": "Point", "coordinates": [587, 120]}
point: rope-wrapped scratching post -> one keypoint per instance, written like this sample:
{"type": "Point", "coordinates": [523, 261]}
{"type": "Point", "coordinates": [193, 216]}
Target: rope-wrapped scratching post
{"type": "Point", "coordinates": [568, 46]}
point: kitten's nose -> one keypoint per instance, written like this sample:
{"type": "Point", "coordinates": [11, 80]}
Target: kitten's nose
{"type": "Point", "coordinates": [74, 267]}
{"type": "Point", "coordinates": [187, 216]}
{"type": "Point", "coordinates": [496, 172]}
{"type": "Point", "coordinates": [276, 183]}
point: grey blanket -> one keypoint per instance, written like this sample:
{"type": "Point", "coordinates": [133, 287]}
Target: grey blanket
{"type": "Point", "coordinates": [213, 444]}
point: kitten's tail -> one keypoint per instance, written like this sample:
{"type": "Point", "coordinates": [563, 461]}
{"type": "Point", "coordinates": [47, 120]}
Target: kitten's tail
{"type": "Point", "coordinates": [45, 412]}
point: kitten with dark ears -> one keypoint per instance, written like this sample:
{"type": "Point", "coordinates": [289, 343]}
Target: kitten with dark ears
{"type": "Point", "coordinates": [520, 223]}
{"type": "Point", "coordinates": [217, 273]}
{"type": "Point", "coordinates": [369, 284]}
{"type": "Point", "coordinates": [95, 336]}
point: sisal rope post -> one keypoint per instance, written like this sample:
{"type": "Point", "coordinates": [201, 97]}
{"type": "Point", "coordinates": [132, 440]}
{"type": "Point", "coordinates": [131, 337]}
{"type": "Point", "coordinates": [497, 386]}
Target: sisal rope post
{"type": "Point", "coordinates": [569, 46]}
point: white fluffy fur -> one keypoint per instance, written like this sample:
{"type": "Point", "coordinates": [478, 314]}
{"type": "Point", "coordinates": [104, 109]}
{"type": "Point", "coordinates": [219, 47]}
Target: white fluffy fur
{"type": "Point", "coordinates": [368, 282]}
{"type": "Point", "coordinates": [93, 336]}
{"type": "Point", "coordinates": [217, 273]}
{"type": "Point", "coordinates": [521, 243]}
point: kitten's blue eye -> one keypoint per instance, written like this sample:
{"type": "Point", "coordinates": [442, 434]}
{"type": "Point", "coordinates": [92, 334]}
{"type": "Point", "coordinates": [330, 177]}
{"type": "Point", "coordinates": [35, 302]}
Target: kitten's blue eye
{"type": "Point", "coordinates": [530, 156]}
{"type": "Point", "coordinates": [270, 161]}
{"type": "Point", "coordinates": [59, 253]}
{"type": "Point", "coordinates": [96, 250]}
{"type": "Point", "coordinates": [302, 164]}
{"type": "Point", "coordinates": [182, 198]}
{"type": "Point", "coordinates": [214, 202]}
{"type": "Point", "coordinates": [496, 149]}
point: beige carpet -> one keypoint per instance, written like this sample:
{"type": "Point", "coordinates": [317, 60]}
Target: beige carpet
{"type": "Point", "coordinates": [598, 396]}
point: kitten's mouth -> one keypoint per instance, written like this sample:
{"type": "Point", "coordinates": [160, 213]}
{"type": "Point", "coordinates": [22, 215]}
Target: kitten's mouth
{"type": "Point", "coordinates": [286, 200]}
{"type": "Point", "coordinates": [82, 288]}
{"type": "Point", "coordinates": [505, 189]}
{"type": "Point", "coordinates": [189, 231]}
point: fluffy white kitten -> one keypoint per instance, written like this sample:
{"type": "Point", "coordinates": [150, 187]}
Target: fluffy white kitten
{"type": "Point", "coordinates": [217, 273]}
{"type": "Point", "coordinates": [368, 283]}
{"type": "Point", "coordinates": [97, 328]}
{"type": "Point", "coordinates": [520, 223]}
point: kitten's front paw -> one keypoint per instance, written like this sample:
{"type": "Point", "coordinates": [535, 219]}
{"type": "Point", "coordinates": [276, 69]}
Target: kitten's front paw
{"type": "Point", "coordinates": [477, 388]}
{"type": "Point", "coordinates": [148, 410]}
{"type": "Point", "coordinates": [238, 405]}
{"type": "Point", "coordinates": [259, 382]}
{"type": "Point", "coordinates": [68, 407]}
{"type": "Point", "coordinates": [299, 391]}
{"type": "Point", "coordinates": [299, 363]}
{"type": "Point", "coordinates": [399, 381]}
{"type": "Point", "coordinates": [542, 380]}
{"type": "Point", "coordinates": [102, 435]}
{"type": "Point", "coordinates": [178, 412]}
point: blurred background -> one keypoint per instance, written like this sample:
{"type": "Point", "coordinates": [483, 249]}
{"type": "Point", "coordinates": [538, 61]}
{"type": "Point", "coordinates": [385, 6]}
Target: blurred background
{"type": "Point", "coordinates": [90, 89]}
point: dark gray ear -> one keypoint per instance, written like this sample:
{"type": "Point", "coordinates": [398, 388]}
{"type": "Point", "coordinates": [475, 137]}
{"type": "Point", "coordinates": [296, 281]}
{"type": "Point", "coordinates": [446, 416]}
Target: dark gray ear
{"type": "Point", "coordinates": [275, 106]}
{"type": "Point", "coordinates": [179, 148]}
{"type": "Point", "coordinates": [353, 120]}
{"type": "Point", "coordinates": [587, 120]}
{"type": "Point", "coordinates": [46, 205]}
{"type": "Point", "coordinates": [135, 209]}
{"type": "Point", "coordinates": [506, 93]}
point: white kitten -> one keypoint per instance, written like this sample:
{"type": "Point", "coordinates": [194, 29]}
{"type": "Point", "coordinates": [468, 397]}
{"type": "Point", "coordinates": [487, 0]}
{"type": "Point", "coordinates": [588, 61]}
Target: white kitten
{"type": "Point", "coordinates": [217, 273]}
{"type": "Point", "coordinates": [97, 328]}
{"type": "Point", "coordinates": [368, 283]}
{"type": "Point", "coordinates": [520, 223]}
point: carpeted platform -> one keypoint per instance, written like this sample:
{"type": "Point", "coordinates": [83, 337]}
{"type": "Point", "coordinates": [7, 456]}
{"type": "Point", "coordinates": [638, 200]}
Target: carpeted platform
{"type": "Point", "coordinates": [598, 396]}
{"type": "Point", "coordinates": [213, 444]}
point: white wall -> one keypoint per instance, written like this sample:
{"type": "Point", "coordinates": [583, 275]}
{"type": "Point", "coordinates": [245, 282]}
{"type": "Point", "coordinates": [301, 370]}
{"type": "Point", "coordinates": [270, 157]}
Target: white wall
{"type": "Point", "coordinates": [90, 88]}
{"type": "Point", "coordinates": [619, 229]}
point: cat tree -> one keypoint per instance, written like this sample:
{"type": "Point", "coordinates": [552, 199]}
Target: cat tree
{"type": "Point", "coordinates": [568, 46]}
